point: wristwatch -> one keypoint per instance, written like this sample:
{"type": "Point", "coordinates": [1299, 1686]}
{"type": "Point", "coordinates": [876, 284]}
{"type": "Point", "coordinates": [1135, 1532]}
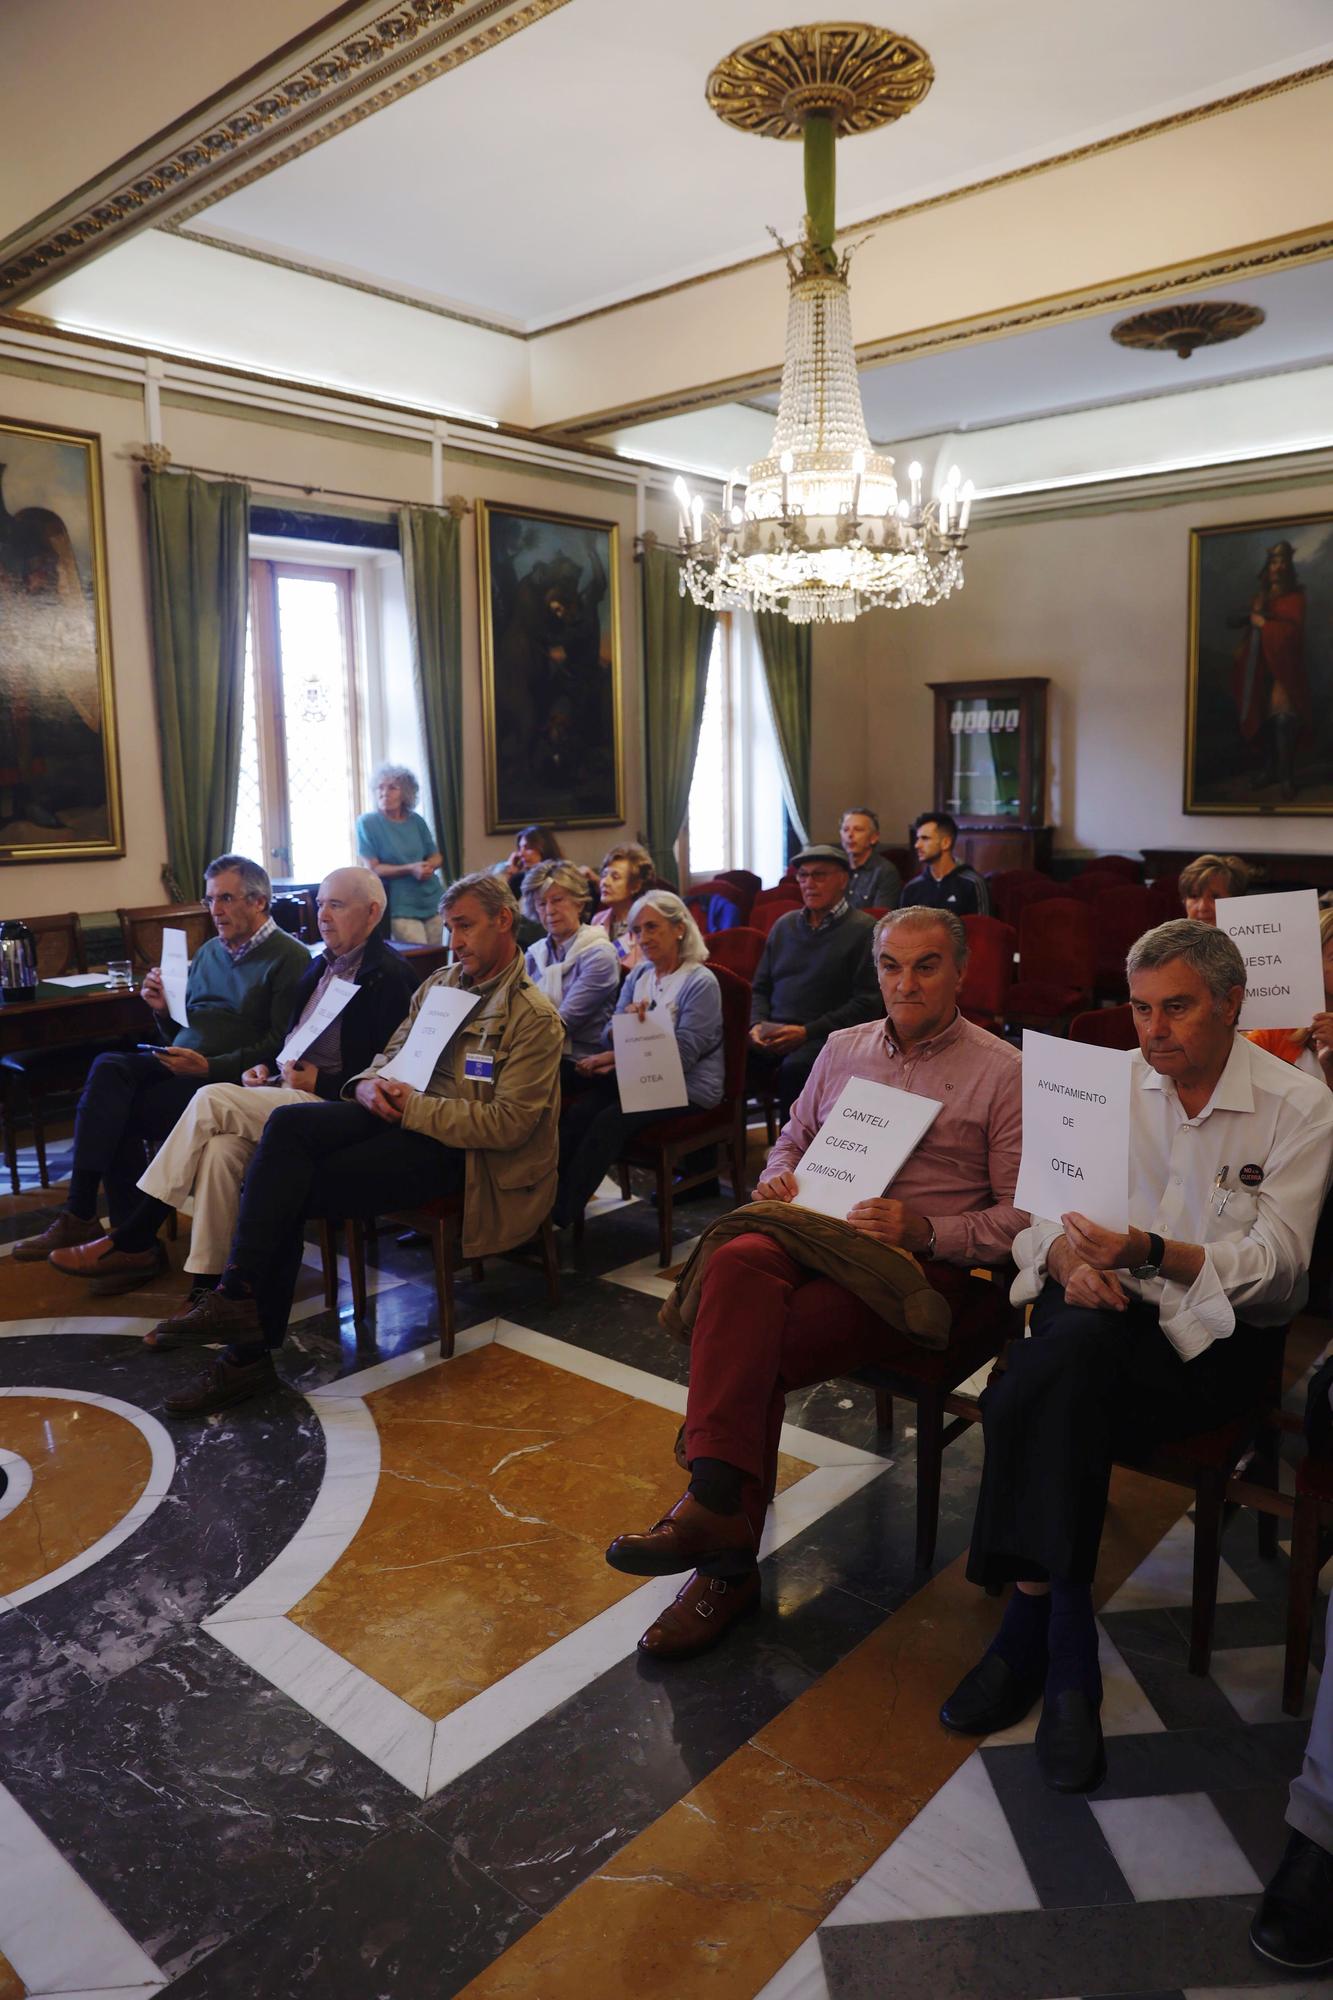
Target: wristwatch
{"type": "Point", "coordinates": [1152, 1263]}
{"type": "Point", "coordinates": [929, 1250]}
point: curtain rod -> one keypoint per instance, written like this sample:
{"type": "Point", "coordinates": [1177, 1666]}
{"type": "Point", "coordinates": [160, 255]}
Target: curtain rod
{"type": "Point", "coordinates": [156, 458]}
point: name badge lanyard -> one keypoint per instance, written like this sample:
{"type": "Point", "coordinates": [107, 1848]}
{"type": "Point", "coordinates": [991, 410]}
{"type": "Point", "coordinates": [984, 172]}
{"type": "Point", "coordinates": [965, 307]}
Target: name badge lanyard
{"type": "Point", "coordinates": [479, 1065]}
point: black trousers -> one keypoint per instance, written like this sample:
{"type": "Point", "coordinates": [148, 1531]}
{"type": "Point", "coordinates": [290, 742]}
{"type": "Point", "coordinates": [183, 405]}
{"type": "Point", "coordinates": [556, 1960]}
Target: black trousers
{"type": "Point", "coordinates": [786, 1074]}
{"type": "Point", "coordinates": [593, 1131]}
{"type": "Point", "coordinates": [129, 1099]}
{"type": "Point", "coordinates": [326, 1160]}
{"type": "Point", "coordinates": [1085, 1389]}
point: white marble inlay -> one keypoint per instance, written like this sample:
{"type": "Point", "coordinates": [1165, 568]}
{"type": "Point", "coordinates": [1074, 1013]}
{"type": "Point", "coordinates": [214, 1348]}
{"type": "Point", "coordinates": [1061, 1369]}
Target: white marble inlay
{"type": "Point", "coordinates": [100, 1993]}
{"type": "Point", "coordinates": [1251, 1679]}
{"type": "Point", "coordinates": [801, 1978]}
{"type": "Point", "coordinates": [58, 1936]}
{"type": "Point", "coordinates": [1168, 1848]}
{"type": "Point", "coordinates": [1165, 1577]}
{"type": "Point", "coordinates": [18, 1481]}
{"type": "Point", "coordinates": [957, 1857]}
{"type": "Point", "coordinates": [161, 1472]}
{"type": "Point", "coordinates": [1291, 1989]}
{"type": "Point", "coordinates": [1126, 1709]}
{"type": "Point", "coordinates": [645, 1273]}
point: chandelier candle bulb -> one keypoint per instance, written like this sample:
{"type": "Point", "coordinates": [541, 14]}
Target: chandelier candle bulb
{"type": "Point", "coordinates": [969, 491]}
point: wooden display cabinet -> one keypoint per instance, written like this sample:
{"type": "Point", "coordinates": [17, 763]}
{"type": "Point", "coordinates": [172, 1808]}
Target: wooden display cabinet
{"type": "Point", "coordinates": [990, 769]}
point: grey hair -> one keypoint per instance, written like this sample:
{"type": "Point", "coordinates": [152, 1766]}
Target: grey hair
{"type": "Point", "coordinates": [366, 882]}
{"type": "Point", "coordinates": [862, 812]}
{"type": "Point", "coordinates": [918, 916]}
{"type": "Point", "coordinates": [565, 875]}
{"type": "Point", "coordinates": [693, 950]}
{"type": "Point", "coordinates": [406, 781]}
{"type": "Point", "coordinates": [1206, 950]}
{"type": "Point", "coordinates": [255, 881]}
{"type": "Point", "coordinates": [491, 891]}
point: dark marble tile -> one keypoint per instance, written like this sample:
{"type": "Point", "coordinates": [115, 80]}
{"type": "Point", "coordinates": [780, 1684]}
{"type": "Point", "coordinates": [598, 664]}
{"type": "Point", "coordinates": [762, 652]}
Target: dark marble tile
{"type": "Point", "coordinates": [408, 1918]}
{"type": "Point", "coordinates": [1155, 1648]}
{"type": "Point", "coordinates": [1135, 1948]}
{"type": "Point", "coordinates": [1197, 1760]}
{"type": "Point", "coordinates": [1261, 1622]}
{"type": "Point", "coordinates": [30, 1219]}
{"type": "Point", "coordinates": [1256, 1818]}
{"type": "Point", "coordinates": [1064, 1849]}
{"type": "Point", "coordinates": [218, 1798]}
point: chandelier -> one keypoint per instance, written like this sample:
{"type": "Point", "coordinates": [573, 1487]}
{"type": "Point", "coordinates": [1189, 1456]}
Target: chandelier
{"type": "Point", "coordinates": [820, 530]}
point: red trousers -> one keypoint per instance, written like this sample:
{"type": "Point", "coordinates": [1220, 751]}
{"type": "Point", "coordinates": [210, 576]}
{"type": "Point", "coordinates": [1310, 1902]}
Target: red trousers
{"type": "Point", "coordinates": [766, 1326]}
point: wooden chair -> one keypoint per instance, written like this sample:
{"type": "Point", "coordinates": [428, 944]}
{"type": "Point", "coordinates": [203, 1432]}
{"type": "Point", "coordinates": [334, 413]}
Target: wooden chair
{"type": "Point", "coordinates": [141, 930]}
{"type": "Point", "coordinates": [984, 993]}
{"type": "Point", "coordinates": [29, 1076]}
{"type": "Point", "coordinates": [739, 950]}
{"type": "Point", "coordinates": [661, 1146]}
{"type": "Point", "coordinates": [442, 1222]}
{"type": "Point", "coordinates": [1056, 965]}
{"type": "Point", "coordinates": [982, 1327]}
{"type": "Point", "coordinates": [1105, 1027]}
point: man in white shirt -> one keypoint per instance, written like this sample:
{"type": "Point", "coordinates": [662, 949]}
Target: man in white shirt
{"type": "Point", "coordinates": [1142, 1336]}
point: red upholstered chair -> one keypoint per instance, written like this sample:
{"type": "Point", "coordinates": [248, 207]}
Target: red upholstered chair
{"type": "Point", "coordinates": [904, 860]}
{"type": "Point", "coordinates": [1166, 899]}
{"type": "Point", "coordinates": [984, 994]}
{"type": "Point", "coordinates": [771, 904]}
{"type": "Point", "coordinates": [739, 950]}
{"type": "Point", "coordinates": [705, 903]}
{"type": "Point", "coordinates": [1121, 914]}
{"type": "Point", "coordinates": [1105, 1027]}
{"type": "Point", "coordinates": [747, 883]}
{"type": "Point", "coordinates": [660, 1146]}
{"type": "Point", "coordinates": [1056, 964]}
{"type": "Point", "coordinates": [1012, 889]}
{"type": "Point", "coordinates": [1122, 865]}
{"type": "Point", "coordinates": [1091, 884]}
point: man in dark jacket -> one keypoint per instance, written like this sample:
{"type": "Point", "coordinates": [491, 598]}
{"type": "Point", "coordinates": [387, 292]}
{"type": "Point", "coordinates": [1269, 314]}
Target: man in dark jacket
{"type": "Point", "coordinates": [202, 1162]}
{"type": "Point", "coordinates": [816, 975]}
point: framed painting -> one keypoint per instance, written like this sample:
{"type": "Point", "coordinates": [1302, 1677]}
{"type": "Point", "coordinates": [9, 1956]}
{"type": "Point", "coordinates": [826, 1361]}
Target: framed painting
{"type": "Point", "coordinates": [1257, 732]}
{"type": "Point", "coordinates": [550, 668]}
{"type": "Point", "coordinates": [59, 765]}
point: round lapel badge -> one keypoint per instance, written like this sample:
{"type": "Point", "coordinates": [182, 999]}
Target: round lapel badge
{"type": "Point", "coordinates": [1251, 1176]}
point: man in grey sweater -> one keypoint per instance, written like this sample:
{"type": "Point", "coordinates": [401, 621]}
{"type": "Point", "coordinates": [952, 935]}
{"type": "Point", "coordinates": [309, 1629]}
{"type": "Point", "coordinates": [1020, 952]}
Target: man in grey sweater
{"type": "Point", "coordinates": [816, 975]}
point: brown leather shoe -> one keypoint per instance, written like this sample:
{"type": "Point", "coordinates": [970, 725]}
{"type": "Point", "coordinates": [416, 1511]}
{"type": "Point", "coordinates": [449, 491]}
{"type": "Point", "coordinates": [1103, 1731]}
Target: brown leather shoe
{"type": "Point", "coordinates": [61, 1234]}
{"type": "Point", "coordinates": [689, 1537]}
{"type": "Point", "coordinates": [209, 1316]}
{"type": "Point", "coordinates": [701, 1614]}
{"type": "Point", "coordinates": [101, 1259]}
{"type": "Point", "coordinates": [224, 1383]}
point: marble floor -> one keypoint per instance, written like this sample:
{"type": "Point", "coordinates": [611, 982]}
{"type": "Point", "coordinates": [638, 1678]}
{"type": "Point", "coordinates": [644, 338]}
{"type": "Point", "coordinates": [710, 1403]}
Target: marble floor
{"type": "Point", "coordinates": [334, 1694]}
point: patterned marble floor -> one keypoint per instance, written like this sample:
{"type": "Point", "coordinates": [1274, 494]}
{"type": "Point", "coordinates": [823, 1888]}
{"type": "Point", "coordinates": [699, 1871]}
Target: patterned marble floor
{"type": "Point", "coordinates": [334, 1694]}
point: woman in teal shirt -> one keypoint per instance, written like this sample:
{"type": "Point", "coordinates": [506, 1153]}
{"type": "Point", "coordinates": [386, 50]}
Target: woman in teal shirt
{"type": "Point", "coordinates": [396, 844]}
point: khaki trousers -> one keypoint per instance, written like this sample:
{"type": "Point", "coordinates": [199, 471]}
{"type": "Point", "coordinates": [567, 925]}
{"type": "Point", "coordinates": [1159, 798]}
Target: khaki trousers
{"type": "Point", "coordinates": [200, 1165]}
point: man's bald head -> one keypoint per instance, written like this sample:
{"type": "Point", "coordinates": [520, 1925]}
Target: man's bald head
{"type": "Point", "coordinates": [351, 903]}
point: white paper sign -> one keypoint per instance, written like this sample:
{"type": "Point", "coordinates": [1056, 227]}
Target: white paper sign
{"type": "Point", "coordinates": [1075, 1131]}
{"type": "Point", "coordinates": [649, 1075]}
{"type": "Point", "coordinates": [1278, 937]}
{"type": "Point", "coordinates": [443, 1012]}
{"type": "Point", "coordinates": [175, 971]}
{"type": "Point", "coordinates": [331, 1003]}
{"type": "Point", "coordinates": [77, 979]}
{"type": "Point", "coordinates": [861, 1145]}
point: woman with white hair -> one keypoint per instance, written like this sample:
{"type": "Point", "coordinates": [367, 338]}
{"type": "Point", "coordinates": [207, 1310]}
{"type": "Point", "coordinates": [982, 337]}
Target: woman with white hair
{"type": "Point", "coordinates": [396, 844]}
{"type": "Point", "coordinates": [576, 965]}
{"type": "Point", "coordinates": [671, 977]}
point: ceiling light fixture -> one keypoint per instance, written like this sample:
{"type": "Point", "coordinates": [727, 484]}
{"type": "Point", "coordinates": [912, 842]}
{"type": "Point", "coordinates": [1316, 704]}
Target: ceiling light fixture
{"type": "Point", "coordinates": [819, 530]}
{"type": "Point", "coordinates": [1183, 328]}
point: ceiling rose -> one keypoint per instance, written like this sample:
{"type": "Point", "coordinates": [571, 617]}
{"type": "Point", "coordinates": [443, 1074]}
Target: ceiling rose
{"type": "Point", "coordinates": [857, 76]}
{"type": "Point", "coordinates": [1183, 328]}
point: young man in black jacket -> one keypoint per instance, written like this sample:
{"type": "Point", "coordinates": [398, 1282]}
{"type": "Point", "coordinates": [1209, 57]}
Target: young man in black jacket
{"type": "Point", "coordinates": [202, 1162]}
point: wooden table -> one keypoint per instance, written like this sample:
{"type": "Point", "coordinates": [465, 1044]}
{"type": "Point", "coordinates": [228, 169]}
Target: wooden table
{"type": "Point", "coordinates": [61, 1016]}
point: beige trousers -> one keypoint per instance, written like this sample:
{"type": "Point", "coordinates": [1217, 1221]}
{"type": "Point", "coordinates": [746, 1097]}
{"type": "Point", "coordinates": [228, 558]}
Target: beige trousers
{"type": "Point", "coordinates": [201, 1163]}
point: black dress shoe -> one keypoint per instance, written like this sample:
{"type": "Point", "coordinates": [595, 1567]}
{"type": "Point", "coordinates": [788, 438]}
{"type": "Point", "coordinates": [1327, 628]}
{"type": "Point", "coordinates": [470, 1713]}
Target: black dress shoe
{"type": "Point", "coordinates": [1294, 1923]}
{"type": "Point", "coordinates": [1071, 1751]}
{"type": "Point", "coordinates": [991, 1697]}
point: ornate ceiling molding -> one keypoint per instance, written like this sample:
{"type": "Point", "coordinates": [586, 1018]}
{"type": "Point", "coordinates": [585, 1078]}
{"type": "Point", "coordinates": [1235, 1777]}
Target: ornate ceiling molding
{"type": "Point", "coordinates": [1183, 328]}
{"type": "Point", "coordinates": [860, 77]}
{"type": "Point", "coordinates": [312, 97]}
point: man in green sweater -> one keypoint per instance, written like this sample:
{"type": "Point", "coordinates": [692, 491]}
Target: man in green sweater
{"type": "Point", "coordinates": [238, 1004]}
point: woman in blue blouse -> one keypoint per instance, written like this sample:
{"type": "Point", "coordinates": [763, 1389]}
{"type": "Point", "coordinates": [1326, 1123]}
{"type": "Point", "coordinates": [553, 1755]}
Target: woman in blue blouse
{"type": "Point", "coordinates": [671, 975]}
{"type": "Point", "coordinates": [396, 844]}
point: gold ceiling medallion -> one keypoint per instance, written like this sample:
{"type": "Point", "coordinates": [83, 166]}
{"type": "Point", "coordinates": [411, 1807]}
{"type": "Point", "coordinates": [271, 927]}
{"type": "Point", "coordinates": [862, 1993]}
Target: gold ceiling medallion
{"type": "Point", "coordinates": [857, 76]}
{"type": "Point", "coordinates": [1183, 328]}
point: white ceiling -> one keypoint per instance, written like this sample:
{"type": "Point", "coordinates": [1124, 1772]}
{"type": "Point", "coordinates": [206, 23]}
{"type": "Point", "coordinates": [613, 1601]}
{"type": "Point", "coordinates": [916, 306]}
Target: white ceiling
{"type": "Point", "coordinates": [577, 163]}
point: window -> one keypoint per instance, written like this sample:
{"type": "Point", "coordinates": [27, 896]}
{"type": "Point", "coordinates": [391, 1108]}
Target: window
{"type": "Point", "coordinates": [737, 815]}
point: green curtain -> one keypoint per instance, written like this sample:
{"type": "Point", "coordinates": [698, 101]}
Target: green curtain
{"type": "Point", "coordinates": [677, 639]}
{"type": "Point", "coordinates": [430, 544]}
{"type": "Point", "coordinates": [786, 654]}
{"type": "Point", "coordinates": [198, 575]}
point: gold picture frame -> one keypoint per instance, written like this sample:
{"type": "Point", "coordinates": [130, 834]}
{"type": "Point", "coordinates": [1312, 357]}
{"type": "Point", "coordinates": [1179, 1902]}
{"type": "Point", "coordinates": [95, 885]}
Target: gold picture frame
{"type": "Point", "coordinates": [550, 668]}
{"type": "Point", "coordinates": [1259, 686]}
{"type": "Point", "coordinates": [60, 793]}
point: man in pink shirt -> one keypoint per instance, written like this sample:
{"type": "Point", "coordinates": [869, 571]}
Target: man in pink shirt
{"type": "Point", "coordinates": [766, 1326]}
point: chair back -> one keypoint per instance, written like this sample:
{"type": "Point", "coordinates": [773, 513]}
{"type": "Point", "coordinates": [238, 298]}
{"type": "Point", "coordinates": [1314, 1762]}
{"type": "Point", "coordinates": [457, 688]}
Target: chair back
{"type": "Point", "coordinates": [739, 950]}
{"type": "Point", "coordinates": [1166, 903]}
{"type": "Point", "coordinates": [715, 905]}
{"type": "Point", "coordinates": [1106, 1027]}
{"type": "Point", "coordinates": [1122, 915]}
{"type": "Point", "coordinates": [423, 958]}
{"type": "Point", "coordinates": [747, 884]}
{"type": "Point", "coordinates": [1092, 884]}
{"type": "Point", "coordinates": [1055, 944]}
{"type": "Point", "coordinates": [1122, 865]}
{"type": "Point", "coordinates": [141, 930]}
{"type": "Point", "coordinates": [904, 860]}
{"type": "Point", "coordinates": [984, 993]}
{"type": "Point", "coordinates": [770, 904]}
{"type": "Point", "coordinates": [1012, 889]}
{"type": "Point", "coordinates": [59, 945]}
{"type": "Point", "coordinates": [735, 1032]}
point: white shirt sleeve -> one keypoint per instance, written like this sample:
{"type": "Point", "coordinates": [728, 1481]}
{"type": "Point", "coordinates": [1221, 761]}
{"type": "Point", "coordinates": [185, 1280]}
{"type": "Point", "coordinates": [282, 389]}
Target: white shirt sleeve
{"type": "Point", "coordinates": [1031, 1248]}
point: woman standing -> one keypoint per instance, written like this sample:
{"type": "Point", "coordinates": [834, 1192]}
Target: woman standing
{"type": "Point", "coordinates": [625, 874]}
{"type": "Point", "coordinates": [575, 965]}
{"type": "Point", "coordinates": [396, 844]}
{"type": "Point", "coordinates": [672, 976]}
{"type": "Point", "coordinates": [1311, 1048]}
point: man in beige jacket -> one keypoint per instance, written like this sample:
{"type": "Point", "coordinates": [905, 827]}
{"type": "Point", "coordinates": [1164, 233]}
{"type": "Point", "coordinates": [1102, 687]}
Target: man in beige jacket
{"type": "Point", "coordinates": [485, 1125]}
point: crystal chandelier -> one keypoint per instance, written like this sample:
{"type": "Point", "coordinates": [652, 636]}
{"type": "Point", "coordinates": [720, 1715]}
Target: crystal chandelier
{"type": "Point", "coordinates": [820, 529]}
